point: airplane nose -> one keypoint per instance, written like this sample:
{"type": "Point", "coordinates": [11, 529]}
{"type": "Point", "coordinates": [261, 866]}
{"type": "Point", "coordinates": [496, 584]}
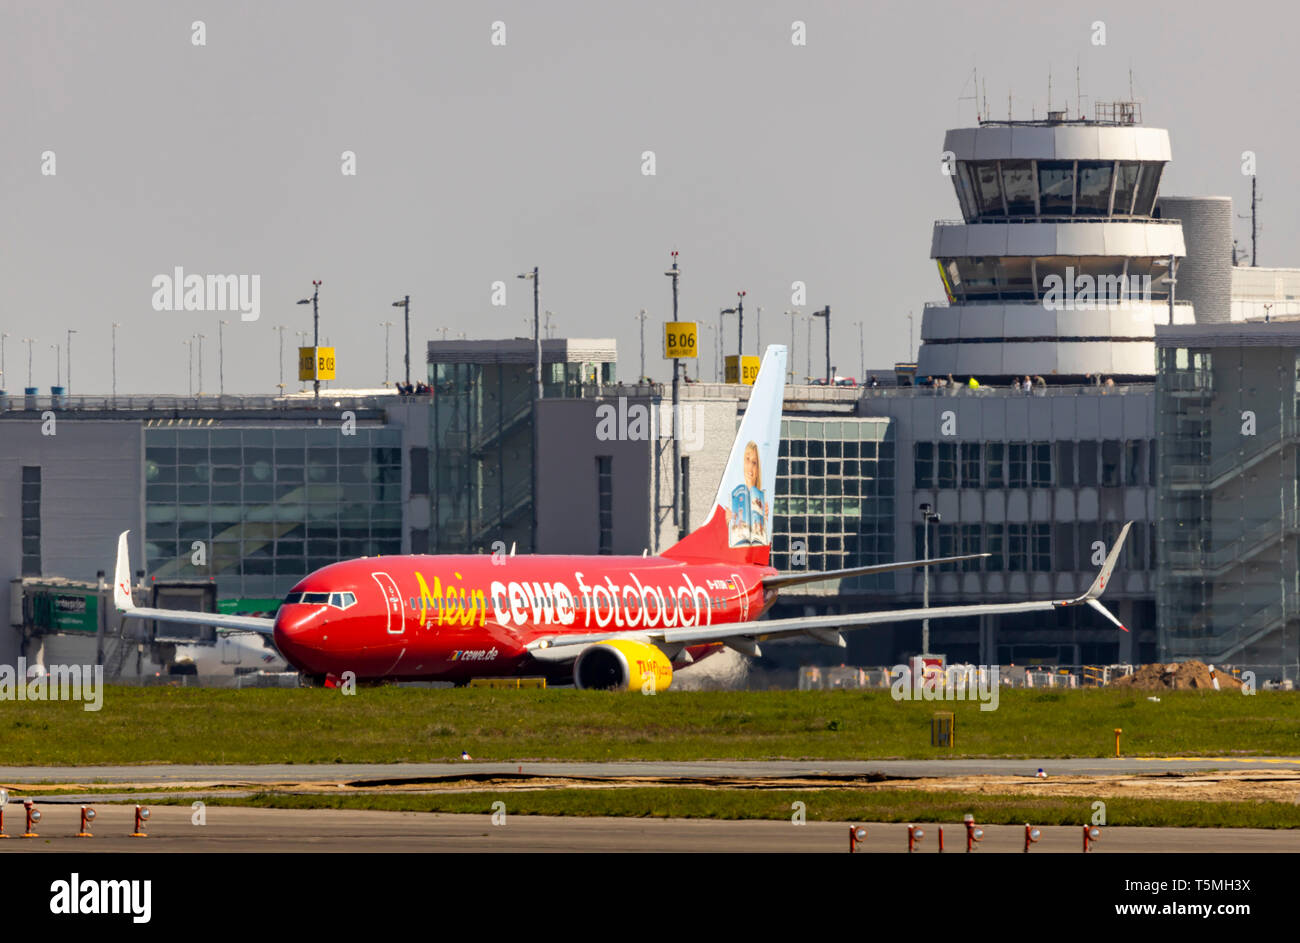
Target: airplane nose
{"type": "Point", "coordinates": [298, 634]}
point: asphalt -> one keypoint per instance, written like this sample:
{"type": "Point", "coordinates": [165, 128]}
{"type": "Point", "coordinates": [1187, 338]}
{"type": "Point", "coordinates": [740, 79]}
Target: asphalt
{"type": "Point", "coordinates": [232, 829]}
{"type": "Point", "coordinates": [236, 774]}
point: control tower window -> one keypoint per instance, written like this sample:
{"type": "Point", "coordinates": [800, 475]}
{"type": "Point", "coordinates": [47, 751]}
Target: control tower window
{"type": "Point", "coordinates": [988, 191]}
{"type": "Point", "coordinates": [1016, 279]}
{"type": "Point", "coordinates": [1064, 268]}
{"type": "Point", "coordinates": [1056, 187]}
{"type": "Point", "coordinates": [965, 191]}
{"type": "Point", "coordinates": [1018, 185]}
{"type": "Point", "coordinates": [1125, 187]}
{"type": "Point", "coordinates": [979, 276]}
{"type": "Point", "coordinates": [1094, 187]}
{"type": "Point", "coordinates": [1147, 187]}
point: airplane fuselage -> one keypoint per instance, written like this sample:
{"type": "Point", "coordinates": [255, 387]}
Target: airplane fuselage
{"type": "Point", "coordinates": [458, 617]}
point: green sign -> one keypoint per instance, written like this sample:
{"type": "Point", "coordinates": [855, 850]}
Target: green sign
{"type": "Point", "coordinates": [247, 606]}
{"type": "Point", "coordinates": [66, 612]}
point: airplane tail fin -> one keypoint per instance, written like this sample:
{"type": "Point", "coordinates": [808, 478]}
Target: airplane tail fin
{"type": "Point", "coordinates": [738, 528]}
{"type": "Point", "coordinates": [122, 575]}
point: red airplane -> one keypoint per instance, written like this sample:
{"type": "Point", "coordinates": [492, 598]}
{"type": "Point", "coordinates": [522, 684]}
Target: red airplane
{"type": "Point", "coordinates": [598, 621]}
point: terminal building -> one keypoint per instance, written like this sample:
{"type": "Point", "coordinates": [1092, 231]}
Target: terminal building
{"type": "Point", "coordinates": [1144, 347]}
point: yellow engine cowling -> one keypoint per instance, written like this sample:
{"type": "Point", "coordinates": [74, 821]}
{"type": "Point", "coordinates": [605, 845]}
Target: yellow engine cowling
{"type": "Point", "coordinates": [622, 664]}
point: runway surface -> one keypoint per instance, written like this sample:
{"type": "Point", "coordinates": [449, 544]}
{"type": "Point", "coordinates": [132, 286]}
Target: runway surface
{"type": "Point", "coordinates": [231, 829]}
{"type": "Point", "coordinates": [174, 775]}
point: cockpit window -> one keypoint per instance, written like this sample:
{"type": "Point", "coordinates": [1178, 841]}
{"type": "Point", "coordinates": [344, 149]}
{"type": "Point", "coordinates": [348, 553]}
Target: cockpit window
{"type": "Point", "coordinates": [337, 600]}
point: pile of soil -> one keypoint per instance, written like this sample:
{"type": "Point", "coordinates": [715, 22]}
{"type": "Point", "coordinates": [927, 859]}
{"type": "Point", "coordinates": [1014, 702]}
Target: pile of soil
{"type": "Point", "coordinates": [1177, 676]}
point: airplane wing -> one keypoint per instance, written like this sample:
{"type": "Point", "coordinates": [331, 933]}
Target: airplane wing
{"type": "Point", "coordinates": [129, 610]}
{"type": "Point", "coordinates": [745, 636]}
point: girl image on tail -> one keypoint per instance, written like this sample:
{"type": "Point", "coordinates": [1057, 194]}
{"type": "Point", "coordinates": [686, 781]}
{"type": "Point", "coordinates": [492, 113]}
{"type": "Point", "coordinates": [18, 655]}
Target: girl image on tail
{"type": "Point", "coordinates": [747, 518]}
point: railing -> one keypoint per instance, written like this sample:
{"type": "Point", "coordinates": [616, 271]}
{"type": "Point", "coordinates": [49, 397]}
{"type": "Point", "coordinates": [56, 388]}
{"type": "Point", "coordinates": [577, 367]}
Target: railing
{"type": "Point", "coordinates": [958, 388]}
{"type": "Point", "coordinates": [1239, 551]}
{"type": "Point", "coordinates": [1235, 462]}
{"type": "Point", "coordinates": [1254, 627]}
{"type": "Point", "coordinates": [980, 220]}
{"type": "Point", "coordinates": [1162, 303]}
{"type": "Point", "coordinates": [518, 497]}
{"type": "Point", "coordinates": [149, 402]}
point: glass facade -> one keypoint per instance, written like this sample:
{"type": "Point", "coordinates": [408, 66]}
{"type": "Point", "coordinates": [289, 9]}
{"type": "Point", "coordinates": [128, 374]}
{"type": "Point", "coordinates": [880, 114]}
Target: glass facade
{"type": "Point", "coordinates": [1229, 587]}
{"type": "Point", "coordinates": [269, 505]}
{"type": "Point", "coordinates": [1093, 280]}
{"type": "Point", "coordinates": [834, 499]}
{"type": "Point", "coordinates": [482, 442]}
{"type": "Point", "coordinates": [996, 189]}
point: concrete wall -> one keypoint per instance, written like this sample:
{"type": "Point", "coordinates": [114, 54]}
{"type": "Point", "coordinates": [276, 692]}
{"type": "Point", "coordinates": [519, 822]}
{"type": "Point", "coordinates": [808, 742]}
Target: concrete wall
{"type": "Point", "coordinates": [1205, 275]}
{"type": "Point", "coordinates": [1051, 415]}
{"type": "Point", "coordinates": [92, 489]}
{"type": "Point", "coordinates": [568, 515]}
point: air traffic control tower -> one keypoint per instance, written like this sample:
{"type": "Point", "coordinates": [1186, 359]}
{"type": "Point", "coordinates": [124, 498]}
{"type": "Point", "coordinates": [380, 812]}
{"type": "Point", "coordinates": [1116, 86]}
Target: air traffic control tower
{"type": "Point", "coordinates": [1060, 266]}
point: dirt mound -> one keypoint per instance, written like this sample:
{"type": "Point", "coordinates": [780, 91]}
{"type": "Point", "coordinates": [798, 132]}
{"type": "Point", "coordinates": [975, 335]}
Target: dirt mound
{"type": "Point", "coordinates": [1177, 676]}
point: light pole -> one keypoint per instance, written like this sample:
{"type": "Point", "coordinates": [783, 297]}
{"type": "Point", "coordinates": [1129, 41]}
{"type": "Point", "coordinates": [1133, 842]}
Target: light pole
{"type": "Point", "coordinates": [641, 317]}
{"type": "Point", "coordinates": [71, 331]}
{"type": "Point", "coordinates": [794, 319]}
{"type": "Point", "coordinates": [720, 360]}
{"type": "Point", "coordinates": [201, 338]}
{"type": "Point", "coordinates": [758, 328]}
{"type": "Point", "coordinates": [826, 313]}
{"type": "Point", "coordinates": [808, 349]}
{"type": "Point", "coordinates": [116, 325]}
{"type": "Point", "coordinates": [189, 342]}
{"type": "Point", "coordinates": [58, 365]}
{"type": "Point", "coordinates": [862, 356]}
{"type": "Point", "coordinates": [279, 329]}
{"type": "Point", "coordinates": [315, 338]}
{"type": "Point", "coordinates": [740, 333]}
{"type": "Point", "coordinates": [405, 305]}
{"type": "Point", "coordinates": [29, 341]}
{"type": "Point", "coordinates": [909, 338]}
{"type": "Point", "coordinates": [537, 326]}
{"type": "Point", "coordinates": [221, 358]}
{"type": "Point", "coordinates": [674, 274]}
{"type": "Point", "coordinates": [928, 515]}
{"type": "Point", "coordinates": [386, 325]}
{"type": "Point", "coordinates": [2, 359]}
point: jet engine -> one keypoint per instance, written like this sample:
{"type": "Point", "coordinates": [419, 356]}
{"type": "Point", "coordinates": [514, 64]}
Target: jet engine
{"type": "Point", "coordinates": [621, 664]}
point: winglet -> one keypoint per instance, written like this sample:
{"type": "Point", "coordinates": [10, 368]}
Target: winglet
{"type": "Point", "coordinates": [1103, 578]}
{"type": "Point", "coordinates": [122, 575]}
{"type": "Point", "coordinates": [1106, 612]}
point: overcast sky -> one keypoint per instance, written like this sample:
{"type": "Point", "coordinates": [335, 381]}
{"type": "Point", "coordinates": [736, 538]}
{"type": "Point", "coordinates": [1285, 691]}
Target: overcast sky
{"type": "Point", "coordinates": [774, 163]}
